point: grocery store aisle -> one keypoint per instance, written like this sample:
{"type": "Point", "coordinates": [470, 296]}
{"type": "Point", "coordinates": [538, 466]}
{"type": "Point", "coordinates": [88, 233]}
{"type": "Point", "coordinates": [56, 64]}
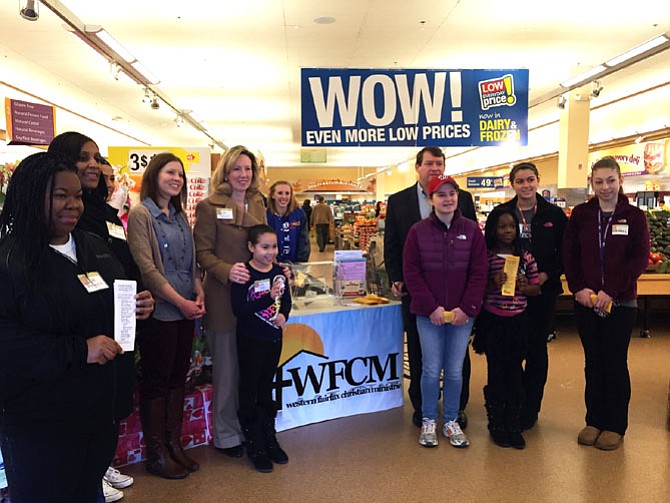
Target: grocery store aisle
{"type": "Point", "coordinates": [317, 256]}
{"type": "Point", "coordinates": [376, 457]}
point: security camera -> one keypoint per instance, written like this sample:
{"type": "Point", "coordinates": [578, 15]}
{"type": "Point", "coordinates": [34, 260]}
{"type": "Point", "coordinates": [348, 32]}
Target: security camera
{"type": "Point", "coordinates": [30, 11]}
{"type": "Point", "coordinates": [154, 104]}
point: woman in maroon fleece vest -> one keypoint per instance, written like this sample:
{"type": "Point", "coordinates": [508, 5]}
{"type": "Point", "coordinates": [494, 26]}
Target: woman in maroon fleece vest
{"type": "Point", "coordinates": [605, 249]}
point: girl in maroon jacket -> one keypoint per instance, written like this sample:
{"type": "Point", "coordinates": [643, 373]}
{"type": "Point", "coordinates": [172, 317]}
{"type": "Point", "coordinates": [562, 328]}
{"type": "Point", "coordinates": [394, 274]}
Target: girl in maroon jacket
{"type": "Point", "coordinates": [605, 249]}
{"type": "Point", "coordinates": [445, 269]}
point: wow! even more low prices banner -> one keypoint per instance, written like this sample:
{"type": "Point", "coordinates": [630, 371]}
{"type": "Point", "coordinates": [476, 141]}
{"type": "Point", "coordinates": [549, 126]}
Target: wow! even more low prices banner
{"type": "Point", "coordinates": [455, 108]}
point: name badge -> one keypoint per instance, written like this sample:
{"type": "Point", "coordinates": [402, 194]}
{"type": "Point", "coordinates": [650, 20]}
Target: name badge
{"type": "Point", "coordinates": [116, 231]}
{"type": "Point", "coordinates": [92, 281]}
{"type": "Point", "coordinates": [619, 229]}
{"type": "Point", "coordinates": [262, 285]}
{"type": "Point", "coordinates": [224, 213]}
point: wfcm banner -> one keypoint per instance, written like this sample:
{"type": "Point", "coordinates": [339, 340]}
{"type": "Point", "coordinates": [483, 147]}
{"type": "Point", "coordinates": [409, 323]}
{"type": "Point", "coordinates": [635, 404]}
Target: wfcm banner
{"type": "Point", "coordinates": [340, 363]}
{"type": "Point", "coordinates": [371, 107]}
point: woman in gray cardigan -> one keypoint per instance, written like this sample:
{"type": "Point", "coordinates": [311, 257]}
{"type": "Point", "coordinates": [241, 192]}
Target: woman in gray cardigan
{"type": "Point", "coordinates": [162, 245]}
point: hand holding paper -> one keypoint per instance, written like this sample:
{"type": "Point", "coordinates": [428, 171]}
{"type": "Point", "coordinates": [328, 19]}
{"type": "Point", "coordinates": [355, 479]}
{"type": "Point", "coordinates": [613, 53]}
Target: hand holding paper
{"type": "Point", "coordinates": [511, 267]}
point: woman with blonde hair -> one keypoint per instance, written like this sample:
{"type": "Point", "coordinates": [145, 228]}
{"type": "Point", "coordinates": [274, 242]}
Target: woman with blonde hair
{"type": "Point", "coordinates": [289, 222]}
{"type": "Point", "coordinates": [221, 226]}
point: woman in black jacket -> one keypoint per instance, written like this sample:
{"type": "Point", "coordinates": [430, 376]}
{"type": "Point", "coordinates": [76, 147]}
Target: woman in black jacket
{"type": "Point", "coordinates": [57, 385]}
{"type": "Point", "coordinates": [102, 220]}
{"type": "Point", "coordinates": [541, 226]}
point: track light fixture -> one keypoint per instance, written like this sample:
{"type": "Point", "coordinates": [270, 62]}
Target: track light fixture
{"type": "Point", "coordinates": [155, 105]}
{"type": "Point", "coordinates": [562, 100]}
{"type": "Point", "coordinates": [178, 120]}
{"type": "Point", "coordinates": [596, 89]}
{"type": "Point", "coordinates": [147, 96]}
{"type": "Point", "coordinates": [115, 70]}
{"type": "Point", "coordinates": [29, 9]}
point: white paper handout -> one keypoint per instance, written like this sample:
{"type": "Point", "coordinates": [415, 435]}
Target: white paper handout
{"type": "Point", "coordinates": [124, 313]}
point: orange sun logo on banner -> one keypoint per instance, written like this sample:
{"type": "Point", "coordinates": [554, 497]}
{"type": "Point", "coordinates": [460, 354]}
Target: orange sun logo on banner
{"type": "Point", "coordinates": [297, 338]}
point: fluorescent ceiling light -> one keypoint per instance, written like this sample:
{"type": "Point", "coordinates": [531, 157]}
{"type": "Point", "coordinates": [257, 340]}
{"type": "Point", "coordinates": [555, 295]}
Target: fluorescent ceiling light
{"type": "Point", "coordinates": [636, 51]}
{"type": "Point", "coordinates": [196, 117]}
{"type": "Point", "coordinates": [142, 70]}
{"type": "Point", "coordinates": [584, 76]}
{"type": "Point", "coordinates": [111, 43]}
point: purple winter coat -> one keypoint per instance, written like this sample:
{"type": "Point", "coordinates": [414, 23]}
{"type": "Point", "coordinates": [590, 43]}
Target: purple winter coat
{"type": "Point", "coordinates": [445, 267]}
{"type": "Point", "coordinates": [626, 250]}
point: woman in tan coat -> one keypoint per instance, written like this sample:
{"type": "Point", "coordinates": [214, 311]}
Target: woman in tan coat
{"type": "Point", "coordinates": [220, 232]}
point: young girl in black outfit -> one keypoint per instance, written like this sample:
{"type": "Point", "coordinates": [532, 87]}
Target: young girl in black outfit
{"type": "Point", "coordinates": [502, 327]}
{"type": "Point", "coordinates": [262, 306]}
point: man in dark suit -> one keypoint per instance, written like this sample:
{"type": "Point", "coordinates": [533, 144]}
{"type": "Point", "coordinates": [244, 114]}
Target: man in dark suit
{"type": "Point", "coordinates": [404, 209]}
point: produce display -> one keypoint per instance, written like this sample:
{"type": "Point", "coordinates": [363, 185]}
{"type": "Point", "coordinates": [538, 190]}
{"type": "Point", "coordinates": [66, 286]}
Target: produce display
{"type": "Point", "coordinates": [659, 230]}
{"type": "Point", "coordinates": [364, 228]}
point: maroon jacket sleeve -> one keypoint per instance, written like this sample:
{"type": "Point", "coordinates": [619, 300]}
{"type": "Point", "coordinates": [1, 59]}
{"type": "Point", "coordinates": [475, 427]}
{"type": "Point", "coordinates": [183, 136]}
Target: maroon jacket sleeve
{"type": "Point", "coordinates": [473, 297]}
{"type": "Point", "coordinates": [413, 275]}
{"type": "Point", "coordinates": [637, 255]}
{"type": "Point", "coordinates": [572, 254]}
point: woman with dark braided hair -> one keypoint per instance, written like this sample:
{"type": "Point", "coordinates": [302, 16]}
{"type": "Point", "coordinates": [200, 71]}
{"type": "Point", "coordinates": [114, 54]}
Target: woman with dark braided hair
{"type": "Point", "coordinates": [57, 385]}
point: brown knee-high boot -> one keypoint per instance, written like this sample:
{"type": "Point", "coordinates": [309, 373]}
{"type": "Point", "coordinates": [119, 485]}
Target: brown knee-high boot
{"type": "Point", "coordinates": [175, 415]}
{"type": "Point", "coordinates": [159, 461]}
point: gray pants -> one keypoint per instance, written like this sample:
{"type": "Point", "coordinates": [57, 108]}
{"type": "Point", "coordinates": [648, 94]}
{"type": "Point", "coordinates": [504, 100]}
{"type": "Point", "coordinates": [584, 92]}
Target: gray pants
{"type": "Point", "coordinates": [225, 376]}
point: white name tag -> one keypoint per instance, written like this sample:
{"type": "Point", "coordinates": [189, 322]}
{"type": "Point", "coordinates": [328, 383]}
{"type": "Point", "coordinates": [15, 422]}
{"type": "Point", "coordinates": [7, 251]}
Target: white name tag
{"type": "Point", "coordinates": [262, 285]}
{"type": "Point", "coordinates": [116, 231]}
{"type": "Point", "coordinates": [224, 213]}
{"type": "Point", "coordinates": [619, 229]}
{"type": "Point", "coordinates": [92, 281]}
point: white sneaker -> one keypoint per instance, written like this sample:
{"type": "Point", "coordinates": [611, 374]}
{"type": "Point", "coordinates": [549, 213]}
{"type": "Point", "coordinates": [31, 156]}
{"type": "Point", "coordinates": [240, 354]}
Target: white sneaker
{"type": "Point", "coordinates": [453, 432]}
{"type": "Point", "coordinates": [116, 479]}
{"type": "Point", "coordinates": [428, 436]}
{"type": "Point", "coordinates": [110, 493]}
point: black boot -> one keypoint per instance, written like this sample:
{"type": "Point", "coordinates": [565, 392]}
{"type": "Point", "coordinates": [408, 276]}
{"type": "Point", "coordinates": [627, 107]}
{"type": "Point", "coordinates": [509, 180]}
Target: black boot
{"type": "Point", "coordinates": [252, 428]}
{"type": "Point", "coordinates": [272, 447]}
{"type": "Point", "coordinates": [173, 421]}
{"type": "Point", "coordinates": [495, 410]}
{"type": "Point", "coordinates": [513, 414]}
{"type": "Point", "coordinates": [159, 461]}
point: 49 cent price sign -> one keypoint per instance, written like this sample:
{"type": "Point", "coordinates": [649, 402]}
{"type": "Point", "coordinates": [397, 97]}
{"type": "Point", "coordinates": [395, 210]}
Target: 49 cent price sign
{"type": "Point", "coordinates": [485, 182]}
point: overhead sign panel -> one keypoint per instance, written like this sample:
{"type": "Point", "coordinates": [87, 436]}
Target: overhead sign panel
{"type": "Point", "coordinates": [485, 182]}
{"type": "Point", "coordinates": [29, 123]}
{"type": "Point", "coordinates": [456, 108]}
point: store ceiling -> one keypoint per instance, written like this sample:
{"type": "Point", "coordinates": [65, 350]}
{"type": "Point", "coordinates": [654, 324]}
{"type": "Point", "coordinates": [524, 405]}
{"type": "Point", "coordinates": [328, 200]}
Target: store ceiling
{"type": "Point", "coordinates": [237, 64]}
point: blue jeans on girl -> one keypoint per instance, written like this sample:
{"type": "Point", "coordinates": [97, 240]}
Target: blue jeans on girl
{"type": "Point", "coordinates": [443, 349]}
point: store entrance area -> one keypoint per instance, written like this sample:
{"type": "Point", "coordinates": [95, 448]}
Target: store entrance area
{"type": "Point", "coordinates": [377, 457]}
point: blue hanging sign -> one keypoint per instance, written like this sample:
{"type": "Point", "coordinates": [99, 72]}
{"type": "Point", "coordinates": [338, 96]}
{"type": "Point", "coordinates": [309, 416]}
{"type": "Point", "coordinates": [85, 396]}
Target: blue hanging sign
{"type": "Point", "coordinates": [485, 182]}
{"type": "Point", "coordinates": [448, 108]}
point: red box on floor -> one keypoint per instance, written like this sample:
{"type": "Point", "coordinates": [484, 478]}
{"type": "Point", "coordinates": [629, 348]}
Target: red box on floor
{"type": "Point", "coordinates": [195, 430]}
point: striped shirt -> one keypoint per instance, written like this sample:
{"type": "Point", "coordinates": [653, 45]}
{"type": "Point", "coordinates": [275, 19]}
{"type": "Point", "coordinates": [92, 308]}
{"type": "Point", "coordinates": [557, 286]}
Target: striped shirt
{"type": "Point", "coordinates": [494, 301]}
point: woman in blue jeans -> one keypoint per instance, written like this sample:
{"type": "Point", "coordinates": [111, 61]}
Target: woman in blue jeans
{"type": "Point", "coordinates": [445, 269]}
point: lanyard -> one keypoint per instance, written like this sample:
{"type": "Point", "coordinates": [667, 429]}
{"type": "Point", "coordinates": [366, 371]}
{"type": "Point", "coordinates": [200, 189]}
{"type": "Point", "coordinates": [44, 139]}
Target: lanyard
{"type": "Point", "coordinates": [602, 237]}
{"type": "Point", "coordinates": [526, 227]}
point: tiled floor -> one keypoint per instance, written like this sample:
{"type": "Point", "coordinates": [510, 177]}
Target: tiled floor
{"type": "Point", "coordinates": [376, 457]}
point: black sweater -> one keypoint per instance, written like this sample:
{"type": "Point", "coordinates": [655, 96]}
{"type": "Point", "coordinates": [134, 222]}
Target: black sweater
{"type": "Point", "coordinates": [256, 310]}
{"type": "Point", "coordinates": [546, 245]}
{"type": "Point", "coordinates": [45, 381]}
